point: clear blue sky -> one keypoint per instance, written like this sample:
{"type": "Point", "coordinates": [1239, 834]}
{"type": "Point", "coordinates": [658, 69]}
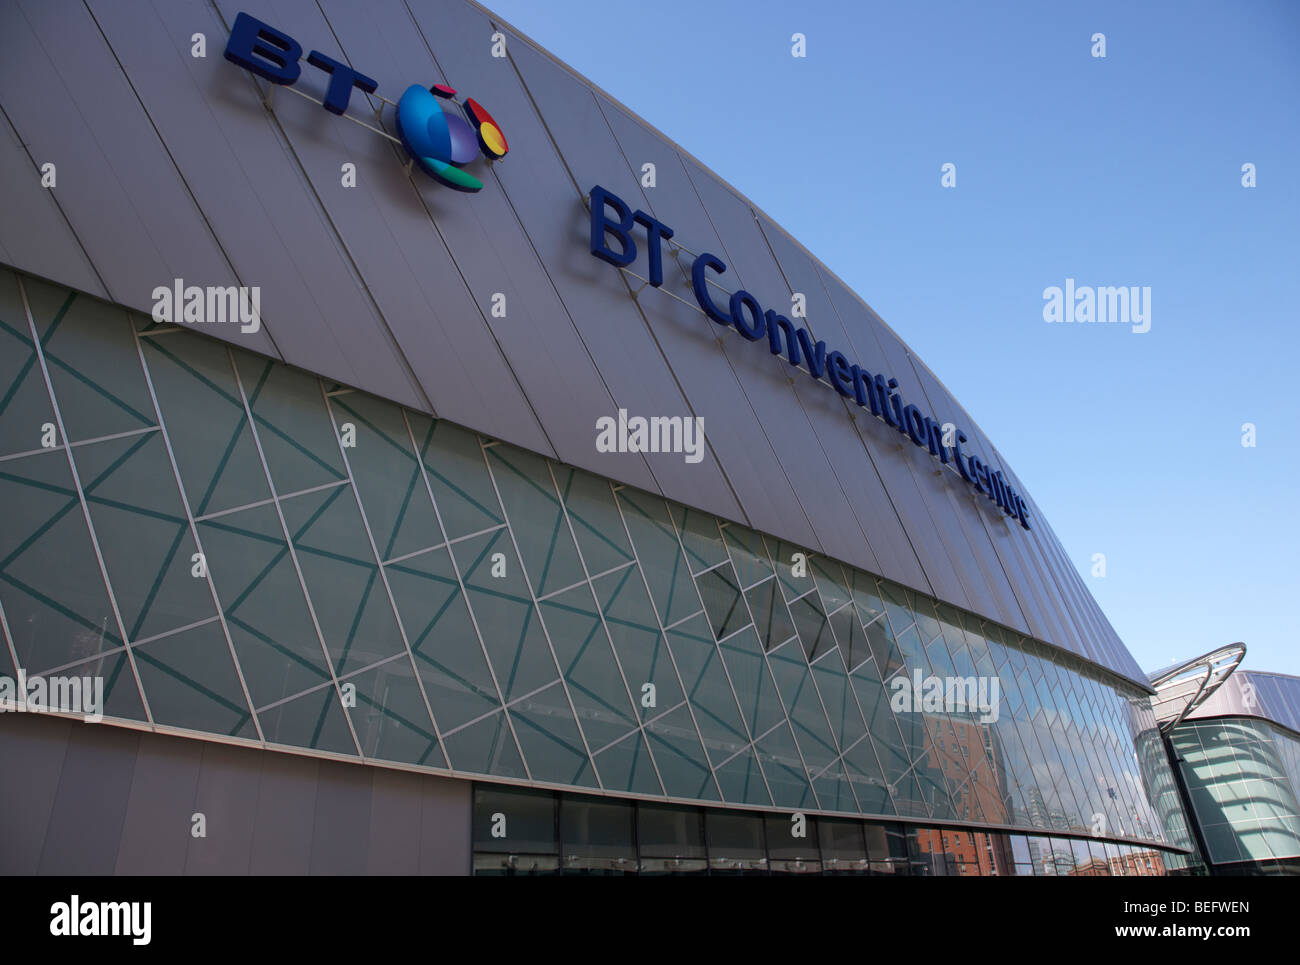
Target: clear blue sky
{"type": "Point", "coordinates": [1122, 171]}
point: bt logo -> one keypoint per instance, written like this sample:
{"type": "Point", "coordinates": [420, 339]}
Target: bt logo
{"type": "Point", "coordinates": [439, 141]}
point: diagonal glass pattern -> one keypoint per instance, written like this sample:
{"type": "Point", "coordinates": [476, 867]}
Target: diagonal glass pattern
{"type": "Point", "coordinates": [292, 562]}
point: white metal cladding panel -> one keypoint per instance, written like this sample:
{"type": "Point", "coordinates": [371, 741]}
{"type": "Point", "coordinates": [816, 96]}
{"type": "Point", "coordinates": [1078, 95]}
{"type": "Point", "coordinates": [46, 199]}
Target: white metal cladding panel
{"type": "Point", "coordinates": [254, 196]}
{"type": "Point", "coordinates": [902, 465]}
{"type": "Point", "coordinates": [1255, 693]}
{"type": "Point", "coordinates": [767, 381]}
{"type": "Point", "coordinates": [537, 193]}
{"type": "Point", "coordinates": [1031, 593]}
{"type": "Point", "coordinates": [34, 234]}
{"type": "Point", "coordinates": [388, 286]}
{"type": "Point", "coordinates": [609, 322]}
{"type": "Point", "coordinates": [123, 196]}
{"type": "Point", "coordinates": [694, 344]}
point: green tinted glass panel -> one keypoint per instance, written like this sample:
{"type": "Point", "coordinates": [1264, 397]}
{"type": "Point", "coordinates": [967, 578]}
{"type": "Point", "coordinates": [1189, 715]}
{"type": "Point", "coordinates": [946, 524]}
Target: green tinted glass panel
{"type": "Point", "coordinates": [707, 688]}
{"type": "Point", "coordinates": [550, 740]}
{"type": "Point", "coordinates": [803, 706]}
{"type": "Point", "coordinates": [779, 755]}
{"type": "Point", "coordinates": [640, 646]}
{"type": "Point", "coordinates": [387, 475]}
{"type": "Point", "coordinates": [258, 587]}
{"type": "Point", "coordinates": [748, 555]}
{"type": "Point", "coordinates": [814, 631]}
{"type": "Point", "coordinates": [741, 780]}
{"type": "Point", "coordinates": [485, 747]}
{"type": "Point", "coordinates": [723, 601]}
{"type": "Point", "coordinates": [831, 583]}
{"type": "Point", "coordinates": [587, 663]}
{"type": "Point", "coordinates": [596, 521]}
{"type": "Point", "coordinates": [841, 706]}
{"type": "Point", "coordinates": [50, 585]}
{"type": "Point", "coordinates": [862, 766]}
{"type": "Point", "coordinates": [679, 756]}
{"type": "Point", "coordinates": [504, 612]}
{"type": "Point", "coordinates": [700, 537]}
{"type": "Point", "coordinates": [755, 689]}
{"type": "Point", "coordinates": [24, 400]}
{"type": "Point", "coordinates": [448, 655]}
{"type": "Point", "coordinates": [205, 422]}
{"type": "Point", "coordinates": [834, 789]}
{"type": "Point", "coordinates": [536, 518]}
{"type": "Point", "coordinates": [626, 766]}
{"type": "Point", "coordinates": [458, 476]}
{"type": "Point", "coordinates": [143, 534]}
{"type": "Point", "coordinates": [660, 555]}
{"type": "Point", "coordinates": [850, 636]}
{"type": "Point", "coordinates": [191, 681]}
{"type": "Point", "coordinates": [343, 580]}
{"type": "Point", "coordinates": [880, 641]}
{"type": "Point", "coordinates": [314, 719]}
{"type": "Point", "coordinates": [93, 364]}
{"type": "Point", "coordinates": [770, 614]}
{"type": "Point", "coordinates": [390, 717]}
{"type": "Point", "coordinates": [121, 696]}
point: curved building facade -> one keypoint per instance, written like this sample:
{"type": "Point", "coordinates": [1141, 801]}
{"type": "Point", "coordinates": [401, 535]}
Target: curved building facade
{"type": "Point", "coordinates": [580, 520]}
{"type": "Point", "coordinates": [1238, 755]}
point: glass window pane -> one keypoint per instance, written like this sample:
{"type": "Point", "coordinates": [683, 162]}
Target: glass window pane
{"type": "Point", "coordinates": [510, 819]}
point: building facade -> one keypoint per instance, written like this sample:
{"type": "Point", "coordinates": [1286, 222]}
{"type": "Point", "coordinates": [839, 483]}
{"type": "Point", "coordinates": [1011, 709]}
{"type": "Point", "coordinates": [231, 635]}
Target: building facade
{"type": "Point", "coordinates": [373, 573]}
{"type": "Point", "coordinates": [1238, 757]}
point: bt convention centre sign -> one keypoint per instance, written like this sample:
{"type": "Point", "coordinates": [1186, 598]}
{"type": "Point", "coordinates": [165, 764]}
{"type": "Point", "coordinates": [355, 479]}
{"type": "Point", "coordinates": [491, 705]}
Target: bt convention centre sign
{"type": "Point", "coordinates": [612, 218]}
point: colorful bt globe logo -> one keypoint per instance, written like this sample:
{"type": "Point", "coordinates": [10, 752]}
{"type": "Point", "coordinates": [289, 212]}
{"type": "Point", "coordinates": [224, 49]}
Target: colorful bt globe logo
{"type": "Point", "coordinates": [440, 141]}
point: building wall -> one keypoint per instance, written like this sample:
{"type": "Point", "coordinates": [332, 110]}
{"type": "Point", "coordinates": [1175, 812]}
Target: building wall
{"type": "Point", "coordinates": [1243, 778]}
{"type": "Point", "coordinates": [170, 166]}
{"type": "Point", "coordinates": [85, 800]}
{"type": "Point", "coordinates": [239, 549]}
{"type": "Point", "coordinates": [1275, 697]}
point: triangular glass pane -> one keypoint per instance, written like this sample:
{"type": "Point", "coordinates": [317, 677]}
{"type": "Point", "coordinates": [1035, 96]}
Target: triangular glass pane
{"type": "Point", "coordinates": [595, 684]}
{"type": "Point", "coordinates": [387, 475]}
{"type": "Point", "coordinates": [389, 715]}
{"type": "Point", "coordinates": [485, 747]}
{"type": "Point", "coordinates": [344, 582]}
{"type": "Point", "coordinates": [596, 521]}
{"type": "Point", "coordinates": [550, 740]}
{"type": "Point", "coordinates": [722, 601]}
{"type": "Point", "coordinates": [679, 756]}
{"type": "Point", "coordinates": [313, 720]}
{"type": "Point", "coordinates": [626, 766]}
{"type": "Point", "coordinates": [58, 614]}
{"type": "Point", "coordinates": [637, 639]}
{"type": "Point", "coordinates": [143, 534]}
{"type": "Point", "coordinates": [755, 690]}
{"type": "Point", "coordinates": [504, 612]}
{"type": "Point", "coordinates": [458, 476]}
{"type": "Point", "coordinates": [448, 655]}
{"type": "Point", "coordinates": [665, 568]}
{"type": "Point", "coordinates": [293, 424]}
{"type": "Point", "coordinates": [741, 780]}
{"type": "Point", "coordinates": [190, 681]}
{"type": "Point", "coordinates": [786, 777]}
{"type": "Point", "coordinates": [266, 612]}
{"type": "Point", "coordinates": [206, 423]}
{"type": "Point", "coordinates": [536, 518]}
{"type": "Point", "coordinates": [707, 688]}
